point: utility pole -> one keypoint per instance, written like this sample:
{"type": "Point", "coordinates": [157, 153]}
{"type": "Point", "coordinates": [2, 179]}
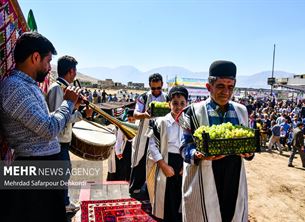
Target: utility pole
{"type": "Point", "coordinates": [273, 69]}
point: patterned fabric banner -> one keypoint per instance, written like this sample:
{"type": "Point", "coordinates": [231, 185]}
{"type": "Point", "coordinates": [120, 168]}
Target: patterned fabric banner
{"type": "Point", "coordinates": [12, 24]}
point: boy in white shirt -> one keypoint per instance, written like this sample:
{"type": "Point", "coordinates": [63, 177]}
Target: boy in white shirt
{"type": "Point", "coordinates": [164, 162]}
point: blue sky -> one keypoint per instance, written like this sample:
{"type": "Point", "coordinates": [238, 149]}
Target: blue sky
{"type": "Point", "coordinates": [192, 34]}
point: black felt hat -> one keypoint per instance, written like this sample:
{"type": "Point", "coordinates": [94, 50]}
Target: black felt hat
{"type": "Point", "coordinates": [222, 68]}
{"type": "Point", "coordinates": [178, 90]}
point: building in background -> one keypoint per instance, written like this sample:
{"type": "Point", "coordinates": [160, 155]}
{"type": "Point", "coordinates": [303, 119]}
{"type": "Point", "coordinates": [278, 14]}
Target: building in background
{"type": "Point", "coordinates": [134, 85]}
{"type": "Point", "coordinates": [107, 83]}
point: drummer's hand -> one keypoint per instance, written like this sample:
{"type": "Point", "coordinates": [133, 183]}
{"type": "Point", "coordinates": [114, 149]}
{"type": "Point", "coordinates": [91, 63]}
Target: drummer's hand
{"type": "Point", "coordinates": [166, 169]}
{"type": "Point", "coordinates": [246, 155]}
{"type": "Point", "coordinates": [72, 94]}
{"type": "Point", "coordinates": [88, 112]}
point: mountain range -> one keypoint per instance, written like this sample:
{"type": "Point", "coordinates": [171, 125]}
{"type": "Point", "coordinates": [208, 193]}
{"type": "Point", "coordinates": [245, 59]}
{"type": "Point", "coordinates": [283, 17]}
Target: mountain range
{"type": "Point", "coordinates": [125, 74]}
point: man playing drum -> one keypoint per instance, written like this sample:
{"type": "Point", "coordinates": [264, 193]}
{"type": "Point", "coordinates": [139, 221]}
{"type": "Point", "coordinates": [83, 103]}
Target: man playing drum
{"type": "Point", "coordinates": [66, 69]}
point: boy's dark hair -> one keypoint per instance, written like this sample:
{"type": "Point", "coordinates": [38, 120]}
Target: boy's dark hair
{"type": "Point", "coordinates": [64, 64]}
{"type": "Point", "coordinates": [178, 90]}
{"type": "Point", "coordinates": [155, 78]}
{"type": "Point", "coordinates": [130, 112]}
{"type": "Point", "coordinates": [30, 42]}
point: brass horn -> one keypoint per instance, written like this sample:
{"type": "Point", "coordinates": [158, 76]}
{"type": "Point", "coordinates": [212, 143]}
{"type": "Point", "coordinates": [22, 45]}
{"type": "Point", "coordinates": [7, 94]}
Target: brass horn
{"type": "Point", "coordinates": [129, 130]}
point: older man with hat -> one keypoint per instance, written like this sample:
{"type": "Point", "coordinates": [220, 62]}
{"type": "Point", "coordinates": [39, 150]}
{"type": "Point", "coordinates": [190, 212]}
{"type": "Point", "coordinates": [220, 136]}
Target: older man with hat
{"type": "Point", "coordinates": [297, 144]}
{"type": "Point", "coordinates": [214, 188]}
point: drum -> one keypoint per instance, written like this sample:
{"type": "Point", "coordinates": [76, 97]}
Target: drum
{"type": "Point", "coordinates": [92, 141]}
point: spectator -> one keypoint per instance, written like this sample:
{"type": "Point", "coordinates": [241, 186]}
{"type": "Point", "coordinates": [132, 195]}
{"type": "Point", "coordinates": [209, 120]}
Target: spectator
{"type": "Point", "coordinates": [297, 145]}
{"type": "Point", "coordinates": [104, 94]}
{"type": "Point", "coordinates": [275, 138]}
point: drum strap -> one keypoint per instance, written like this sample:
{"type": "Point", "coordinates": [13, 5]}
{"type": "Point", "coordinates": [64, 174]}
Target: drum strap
{"type": "Point", "coordinates": [61, 82]}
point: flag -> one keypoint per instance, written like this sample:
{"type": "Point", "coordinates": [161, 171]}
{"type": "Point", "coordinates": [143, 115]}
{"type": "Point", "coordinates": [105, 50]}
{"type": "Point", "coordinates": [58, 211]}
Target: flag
{"type": "Point", "coordinates": [31, 21]}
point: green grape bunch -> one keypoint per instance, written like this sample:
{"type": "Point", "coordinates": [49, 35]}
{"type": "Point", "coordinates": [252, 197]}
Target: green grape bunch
{"type": "Point", "coordinates": [224, 131]}
{"type": "Point", "coordinates": [163, 105]}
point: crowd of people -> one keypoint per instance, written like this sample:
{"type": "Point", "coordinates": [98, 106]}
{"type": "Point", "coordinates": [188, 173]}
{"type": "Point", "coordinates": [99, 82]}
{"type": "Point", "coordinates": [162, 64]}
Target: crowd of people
{"type": "Point", "coordinates": [162, 162]}
{"type": "Point", "coordinates": [97, 96]}
{"type": "Point", "coordinates": [280, 124]}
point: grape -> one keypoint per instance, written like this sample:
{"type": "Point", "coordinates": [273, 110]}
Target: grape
{"type": "Point", "coordinates": [224, 131]}
{"type": "Point", "coordinates": [160, 104]}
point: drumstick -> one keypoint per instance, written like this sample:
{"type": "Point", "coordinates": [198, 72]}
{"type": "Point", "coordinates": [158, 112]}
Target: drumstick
{"type": "Point", "coordinates": [99, 126]}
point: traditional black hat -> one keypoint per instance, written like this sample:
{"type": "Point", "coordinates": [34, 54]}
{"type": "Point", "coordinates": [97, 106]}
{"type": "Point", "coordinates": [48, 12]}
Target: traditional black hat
{"type": "Point", "coordinates": [222, 68]}
{"type": "Point", "coordinates": [178, 90]}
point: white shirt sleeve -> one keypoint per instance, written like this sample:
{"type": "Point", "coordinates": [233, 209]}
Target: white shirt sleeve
{"type": "Point", "coordinates": [118, 147]}
{"type": "Point", "coordinates": [54, 100]}
{"type": "Point", "coordinates": [154, 150]}
{"type": "Point", "coordinates": [139, 107]}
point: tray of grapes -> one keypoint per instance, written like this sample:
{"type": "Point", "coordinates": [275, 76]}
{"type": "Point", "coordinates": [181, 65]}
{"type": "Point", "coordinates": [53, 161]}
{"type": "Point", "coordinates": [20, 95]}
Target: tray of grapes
{"type": "Point", "coordinates": [226, 139]}
{"type": "Point", "coordinates": [158, 109]}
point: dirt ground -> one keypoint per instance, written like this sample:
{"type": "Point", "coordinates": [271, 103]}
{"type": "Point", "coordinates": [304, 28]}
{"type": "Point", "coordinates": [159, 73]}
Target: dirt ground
{"type": "Point", "coordinates": [276, 191]}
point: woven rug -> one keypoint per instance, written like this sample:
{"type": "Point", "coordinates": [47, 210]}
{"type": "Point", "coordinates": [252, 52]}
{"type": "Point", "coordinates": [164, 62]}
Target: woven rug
{"type": "Point", "coordinates": [122, 210]}
{"type": "Point", "coordinates": [12, 24]}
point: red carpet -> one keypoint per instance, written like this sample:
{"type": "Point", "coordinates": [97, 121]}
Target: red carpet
{"type": "Point", "coordinates": [123, 210]}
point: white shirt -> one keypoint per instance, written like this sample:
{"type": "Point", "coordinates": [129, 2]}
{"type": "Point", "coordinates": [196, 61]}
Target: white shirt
{"type": "Point", "coordinates": [174, 132]}
{"type": "Point", "coordinates": [140, 106]}
{"type": "Point", "coordinates": [120, 142]}
{"type": "Point", "coordinates": [54, 99]}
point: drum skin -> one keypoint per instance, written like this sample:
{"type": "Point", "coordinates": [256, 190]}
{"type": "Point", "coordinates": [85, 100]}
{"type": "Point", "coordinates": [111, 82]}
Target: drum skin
{"type": "Point", "coordinates": [92, 141]}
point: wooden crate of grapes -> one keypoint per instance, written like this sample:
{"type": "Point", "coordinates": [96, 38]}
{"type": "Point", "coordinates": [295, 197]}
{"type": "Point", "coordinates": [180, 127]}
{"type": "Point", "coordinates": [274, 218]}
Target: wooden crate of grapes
{"type": "Point", "coordinates": [158, 109]}
{"type": "Point", "coordinates": [226, 139]}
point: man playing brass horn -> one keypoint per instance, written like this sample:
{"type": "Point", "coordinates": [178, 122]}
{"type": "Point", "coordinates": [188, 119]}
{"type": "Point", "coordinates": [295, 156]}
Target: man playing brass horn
{"type": "Point", "coordinates": [66, 69]}
{"type": "Point", "coordinates": [31, 130]}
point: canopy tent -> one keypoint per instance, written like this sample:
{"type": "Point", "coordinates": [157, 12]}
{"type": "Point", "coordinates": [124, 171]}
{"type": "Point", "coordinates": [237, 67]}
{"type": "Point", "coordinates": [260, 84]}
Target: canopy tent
{"type": "Point", "coordinates": [195, 87]}
{"type": "Point", "coordinates": [300, 88]}
{"type": "Point", "coordinates": [187, 82]}
{"type": "Point", "coordinates": [115, 105]}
